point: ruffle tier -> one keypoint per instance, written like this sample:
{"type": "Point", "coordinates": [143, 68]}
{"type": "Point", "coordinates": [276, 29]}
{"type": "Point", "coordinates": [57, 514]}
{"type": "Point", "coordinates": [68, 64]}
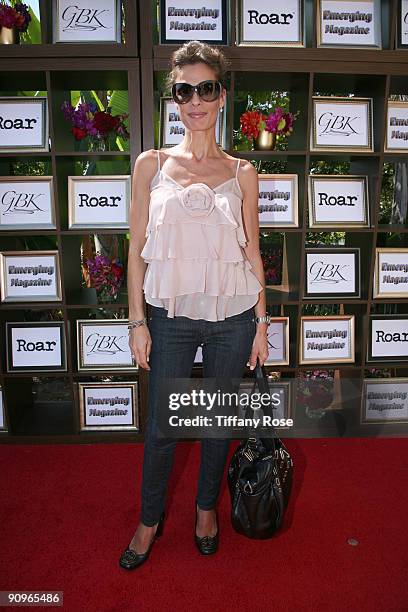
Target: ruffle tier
{"type": "Point", "coordinates": [192, 241]}
{"type": "Point", "coordinates": [208, 307]}
{"type": "Point", "coordinates": [171, 278]}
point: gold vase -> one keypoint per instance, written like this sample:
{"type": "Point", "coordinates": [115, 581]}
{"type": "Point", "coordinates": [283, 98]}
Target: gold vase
{"type": "Point", "coordinates": [9, 36]}
{"type": "Point", "coordinates": [265, 141]}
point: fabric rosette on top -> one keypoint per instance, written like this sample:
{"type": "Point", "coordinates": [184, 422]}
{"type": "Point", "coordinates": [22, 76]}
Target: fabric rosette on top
{"type": "Point", "coordinates": [198, 199]}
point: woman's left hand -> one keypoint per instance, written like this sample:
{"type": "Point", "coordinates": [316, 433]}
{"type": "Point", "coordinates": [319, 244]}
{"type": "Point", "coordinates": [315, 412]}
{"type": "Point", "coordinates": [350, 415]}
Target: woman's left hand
{"type": "Point", "coordinates": [259, 346]}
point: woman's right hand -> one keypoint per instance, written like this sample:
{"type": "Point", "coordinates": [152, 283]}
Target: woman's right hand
{"type": "Point", "coordinates": [140, 343]}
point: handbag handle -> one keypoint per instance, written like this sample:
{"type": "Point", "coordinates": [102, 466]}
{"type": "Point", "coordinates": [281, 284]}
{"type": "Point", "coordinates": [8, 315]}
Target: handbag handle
{"type": "Point", "coordinates": [261, 380]}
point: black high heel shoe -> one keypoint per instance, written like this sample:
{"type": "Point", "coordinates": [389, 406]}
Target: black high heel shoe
{"type": "Point", "coordinates": [207, 545]}
{"type": "Point", "coordinates": [130, 559]}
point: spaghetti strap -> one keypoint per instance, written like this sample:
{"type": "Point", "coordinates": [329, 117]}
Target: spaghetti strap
{"type": "Point", "coordinates": [158, 160]}
{"type": "Point", "coordinates": [236, 172]}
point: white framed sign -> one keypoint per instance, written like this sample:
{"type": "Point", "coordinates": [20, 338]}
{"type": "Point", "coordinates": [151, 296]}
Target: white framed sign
{"type": "Point", "coordinates": [327, 339]}
{"type": "Point", "coordinates": [27, 202]}
{"type": "Point", "coordinates": [341, 124]}
{"type": "Point", "coordinates": [338, 201]}
{"type": "Point", "coordinates": [172, 129]}
{"type": "Point", "coordinates": [184, 20]}
{"type": "Point", "coordinates": [267, 25]}
{"type": "Point", "coordinates": [36, 346]}
{"type": "Point", "coordinates": [109, 406]}
{"type": "Point", "coordinates": [30, 276]}
{"type": "Point", "coordinates": [278, 200]}
{"type": "Point", "coordinates": [3, 417]}
{"type": "Point", "coordinates": [103, 344]}
{"type": "Point", "coordinates": [278, 341]}
{"type": "Point", "coordinates": [384, 400]}
{"type": "Point", "coordinates": [388, 338]}
{"type": "Point", "coordinates": [23, 124]}
{"type": "Point", "coordinates": [99, 201]}
{"type": "Point", "coordinates": [397, 127]}
{"type": "Point", "coordinates": [390, 273]}
{"type": "Point", "coordinates": [281, 409]}
{"type": "Point", "coordinates": [402, 28]}
{"type": "Point", "coordinates": [349, 23]}
{"type": "Point", "coordinates": [332, 272]}
{"type": "Point", "coordinates": [87, 21]}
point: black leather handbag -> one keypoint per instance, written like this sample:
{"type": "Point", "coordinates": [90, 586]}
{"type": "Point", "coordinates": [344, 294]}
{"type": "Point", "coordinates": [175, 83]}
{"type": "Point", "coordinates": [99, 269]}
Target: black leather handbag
{"type": "Point", "coordinates": [259, 478]}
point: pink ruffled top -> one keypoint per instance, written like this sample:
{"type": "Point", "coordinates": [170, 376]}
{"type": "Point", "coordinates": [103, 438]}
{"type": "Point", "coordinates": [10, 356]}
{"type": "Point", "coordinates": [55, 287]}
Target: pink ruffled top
{"type": "Point", "coordinates": [196, 265]}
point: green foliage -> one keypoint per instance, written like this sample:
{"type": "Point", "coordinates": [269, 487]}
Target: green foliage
{"type": "Point", "coordinates": [30, 168]}
{"type": "Point", "coordinates": [387, 193]}
{"type": "Point", "coordinates": [314, 239]}
{"type": "Point", "coordinates": [316, 310]}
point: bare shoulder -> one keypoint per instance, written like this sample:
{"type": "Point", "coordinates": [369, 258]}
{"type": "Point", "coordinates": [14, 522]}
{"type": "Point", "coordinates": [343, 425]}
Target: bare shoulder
{"type": "Point", "coordinates": [146, 165]}
{"type": "Point", "coordinates": [247, 176]}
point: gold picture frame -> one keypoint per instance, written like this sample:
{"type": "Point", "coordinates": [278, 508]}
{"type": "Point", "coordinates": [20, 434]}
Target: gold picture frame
{"type": "Point", "coordinates": [350, 343]}
{"type": "Point", "coordinates": [132, 385]}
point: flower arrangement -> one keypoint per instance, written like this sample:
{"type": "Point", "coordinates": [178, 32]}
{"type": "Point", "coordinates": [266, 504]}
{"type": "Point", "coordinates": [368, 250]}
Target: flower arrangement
{"type": "Point", "coordinates": [272, 257]}
{"type": "Point", "coordinates": [86, 121]}
{"type": "Point", "coordinates": [252, 122]}
{"type": "Point", "coordinates": [315, 391]}
{"type": "Point", "coordinates": [277, 122]}
{"type": "Point", "coordinates": [272, 264]}
{"type": "Point", "coordinates": [15, 17]}
{"type": "Point", "coordinates": [106, 276]}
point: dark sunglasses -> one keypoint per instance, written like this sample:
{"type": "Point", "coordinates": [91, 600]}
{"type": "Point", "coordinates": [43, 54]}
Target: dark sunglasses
{"type": "Point", "coordinates": [207, 91]}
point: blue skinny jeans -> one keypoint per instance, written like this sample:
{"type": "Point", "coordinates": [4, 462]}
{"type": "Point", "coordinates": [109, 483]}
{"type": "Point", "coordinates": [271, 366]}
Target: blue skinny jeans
{"type": "Point", "coordinates": [226, 347]}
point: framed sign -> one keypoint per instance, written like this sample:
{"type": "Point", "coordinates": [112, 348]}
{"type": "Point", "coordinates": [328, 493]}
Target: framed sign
{"type": "Point", "coordinates": [390, 273]}
{"type": "Point", "coordinates": [270, 25]}
{"type": "Point", "coordinates": [108, 406]}
{"type": "Point", "coordinates": [332, 273]}
{"type": "Point", "coordinates": [103, 344]}
{"type": "Point", "coordinates": [384, 401]}
{"type": "Point", "coordinates": [280, 391]}
{"type": "Point", "coordinates": [349, 23]}
{"type": "Point", "coordinates": [341, 124]}
{"type": "Point", "coordinates": [99, 201]}
{"type": "Point", "coordinates": [397, 127]}
{"type": "Point", "coordinates": [27, 202]}
{"type": "Point", "coordinates": [30, 276]}
{"type": "Point", "coordinates": [327, 339]}
{"type": "Point", "coordinates": [87, 21]}
{"type": "Point", "coordinates": [402, 27]}
{"type": "Point", "coordinates": [184, 20]}
{"type": "Point", "coordinates": [278, 200]}
{"type": "Point", "coordinates": [172, 128]}
{"type": "Point", "coordinates": [278, 341]}
{"type": "Point", "coordinates": [36, 346]}
{"type": "Point", "coordinates": [23, 124]}
{"type": "Point", "coordinates": [338, 201]}
{"type": "Point", "coordinates": [388, 338]}
{"type": "Point", "coordinates": [3, 417]}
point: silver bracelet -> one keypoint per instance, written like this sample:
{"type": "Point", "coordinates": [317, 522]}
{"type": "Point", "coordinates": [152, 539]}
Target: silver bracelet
{"type": "Point", "coordinates": [264, 319]}
{"type": "Point", "coordinates": [137, 323]}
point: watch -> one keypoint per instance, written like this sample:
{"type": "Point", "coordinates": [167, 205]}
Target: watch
{"type": "Point", "coordinates": [264, 319]}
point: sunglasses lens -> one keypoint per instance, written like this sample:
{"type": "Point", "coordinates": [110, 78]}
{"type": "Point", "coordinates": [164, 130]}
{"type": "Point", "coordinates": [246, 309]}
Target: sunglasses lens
{"type": "Point", "coordinates": [209, 90]}
{"type": "Point", "coordinates": [182, 92]}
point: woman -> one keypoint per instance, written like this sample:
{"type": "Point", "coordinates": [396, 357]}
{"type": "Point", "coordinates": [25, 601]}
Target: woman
{"type": "Point", "coordinates": [204, 281]}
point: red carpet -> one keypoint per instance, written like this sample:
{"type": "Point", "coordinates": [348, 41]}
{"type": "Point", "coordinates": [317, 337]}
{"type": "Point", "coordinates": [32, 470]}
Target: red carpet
{"type": "Point", "coordinates": [69, 510]}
